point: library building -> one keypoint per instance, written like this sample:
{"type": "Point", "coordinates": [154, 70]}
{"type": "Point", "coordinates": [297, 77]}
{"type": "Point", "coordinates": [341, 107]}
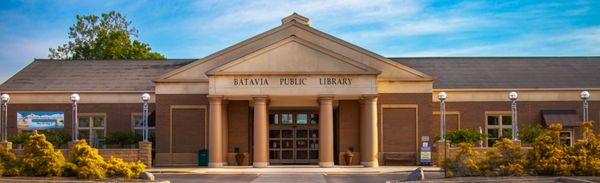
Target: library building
{"type": "Point", "coordinates": [294, 95]}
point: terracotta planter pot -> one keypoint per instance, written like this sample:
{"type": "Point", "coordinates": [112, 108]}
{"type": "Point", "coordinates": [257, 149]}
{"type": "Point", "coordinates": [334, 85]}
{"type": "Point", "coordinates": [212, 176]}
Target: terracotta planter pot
{"type": "Point", "coordinates": [348, 159]}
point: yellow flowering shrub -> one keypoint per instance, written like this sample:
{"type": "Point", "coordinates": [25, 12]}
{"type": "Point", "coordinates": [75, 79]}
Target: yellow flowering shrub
{"type": "Point", "coordinates": [88, 163]}
{"type": "Point", "coordinates": [40, 159]}
{"type": "Point", "coordinates": [9, 166]}
{"type": "Point", "coordinates": [505, 159]}
{"type": "Point", "coordinates": [549, 156]}
{"type": "Point", "coordinates": [119, 168]}
{"type": "Point", "coordinates": [464, 163]}
{"type": "Point", "coordinates": [585, 154]}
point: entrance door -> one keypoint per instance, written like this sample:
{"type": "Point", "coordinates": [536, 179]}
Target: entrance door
{"type": "Point", "coordinates": [293, 137]}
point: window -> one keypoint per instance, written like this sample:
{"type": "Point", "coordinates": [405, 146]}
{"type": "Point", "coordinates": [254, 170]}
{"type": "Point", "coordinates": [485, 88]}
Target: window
{"type": "Point", "coordinates": [498, 126]}
{"type": "Point", "coordinates": [566, 138]}
{"type": "Point", "coordinates": [301, 119]}
{"type": "Point", "coordinates": [138, 126]}
{"type": "Point", "coordinates": [286, 118]}
{"type": "Point", "coordinates": [92, 128]}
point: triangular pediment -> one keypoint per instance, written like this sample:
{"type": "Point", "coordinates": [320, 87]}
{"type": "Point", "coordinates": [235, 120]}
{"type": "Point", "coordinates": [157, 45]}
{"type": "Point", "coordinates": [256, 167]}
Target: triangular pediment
{"type": "Point", "coordinates": [293, 56]}
{"type": "Point", "coordinates": [294, 47]}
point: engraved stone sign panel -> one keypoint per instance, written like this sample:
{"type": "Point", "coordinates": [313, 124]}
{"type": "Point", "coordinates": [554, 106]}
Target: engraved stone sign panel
{"type": "Point", "coordinates": [293, 85]}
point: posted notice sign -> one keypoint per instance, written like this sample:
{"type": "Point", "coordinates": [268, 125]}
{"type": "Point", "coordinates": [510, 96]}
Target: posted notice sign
{"type": "Point", "coordinates": [40, 120]}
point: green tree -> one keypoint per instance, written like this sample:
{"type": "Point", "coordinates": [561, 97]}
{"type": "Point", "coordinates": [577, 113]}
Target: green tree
{"type": "Point", "coordinates": [105, 37]}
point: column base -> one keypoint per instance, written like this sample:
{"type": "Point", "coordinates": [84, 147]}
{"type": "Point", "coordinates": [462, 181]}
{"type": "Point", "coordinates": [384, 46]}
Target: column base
{"type": "Point", "coordinates": [225, 163]}
{"type": "Point", "coordinates": [370, 164]}
{"type": "Point", "coordinates": [260, 164]}
{"type": "Point", "coordinates": [215, 164]}
{"type": "Point", "coordinates": [326, 164]}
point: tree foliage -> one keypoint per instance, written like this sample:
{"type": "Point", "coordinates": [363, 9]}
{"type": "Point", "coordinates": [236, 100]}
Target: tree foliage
{"type": "Point", "coordinates": [585, 153]}
{"type": "Point", "coordinates": [106, 37]}
{"type": "Point", "coordinates": [9, 166]}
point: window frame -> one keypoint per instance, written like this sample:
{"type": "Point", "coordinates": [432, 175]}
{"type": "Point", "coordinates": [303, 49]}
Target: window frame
{"type": "Point", "coordinates": [501, 127]}
{"type": "Point", "coordinates": [134, 128]}
{"type": "Point", "coordinates": [570, 138]}
{"type": "Point", "coordinates": [90, 128]}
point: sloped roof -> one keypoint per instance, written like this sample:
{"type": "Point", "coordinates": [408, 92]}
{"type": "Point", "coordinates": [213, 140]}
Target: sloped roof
{"type": "Point", "coordinates": [90, 75]}
{"type": "Point", "coordinates": [508, 72]}
{"type": "Point", "coordinates": [449, 73]}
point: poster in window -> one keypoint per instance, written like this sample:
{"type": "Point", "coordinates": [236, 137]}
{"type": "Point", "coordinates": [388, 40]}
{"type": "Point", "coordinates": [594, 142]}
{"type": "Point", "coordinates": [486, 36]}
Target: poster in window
{"type": "Point", "coordinates": [40, 120]}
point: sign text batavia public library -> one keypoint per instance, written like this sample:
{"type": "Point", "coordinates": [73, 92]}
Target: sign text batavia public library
{"type": "Point", "coordinates": [292, 81]}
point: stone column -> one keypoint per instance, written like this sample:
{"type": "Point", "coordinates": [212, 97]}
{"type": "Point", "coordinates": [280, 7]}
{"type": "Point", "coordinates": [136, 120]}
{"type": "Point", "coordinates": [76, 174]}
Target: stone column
{"type": "Point", "coordinates": [261, 133]}
{"type": "Point", "coordinates": [225, 133]}
{"type": "Point", "coordinates": [326, 131]}
{"type": "Point", "coordinates": [369, 145]}
{"type": "Point", "coordinates": [215, 154]}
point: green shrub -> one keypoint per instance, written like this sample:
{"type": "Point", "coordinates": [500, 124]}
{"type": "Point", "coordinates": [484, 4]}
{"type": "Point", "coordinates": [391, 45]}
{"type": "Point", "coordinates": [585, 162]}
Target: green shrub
{"type": "Point", "coordinates": [88, 163]}
{"type": "Point", "coordinates": [123, 138]}
{"type": "Point", "coordinates": [119, 168]}
{"type": "Point", "coordinates": [464, 163]}
{"type": "Point", "coordinates": [57, 137]}
{"type": "Point", "coordinates": [8, 163]}
{"type": "Point", "coordinates": [549, 156]}
{"type": "Point", "coordinates": [40, 159]}
{"type": "Point", "coordinates": [20, 137]}
{"type": "Point", "coordinates": [465, 135]}
{"type": "Point", "coordinates": [54, 136]}
{"type": "Point", "coordinates": [505, 159]}
{"type": "Point", "coordinates": [529, 133]}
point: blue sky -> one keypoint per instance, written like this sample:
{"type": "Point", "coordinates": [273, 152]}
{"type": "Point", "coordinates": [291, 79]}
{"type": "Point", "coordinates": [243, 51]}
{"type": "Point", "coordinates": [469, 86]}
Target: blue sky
{"type": "Point", "coordinates": [193, 29]}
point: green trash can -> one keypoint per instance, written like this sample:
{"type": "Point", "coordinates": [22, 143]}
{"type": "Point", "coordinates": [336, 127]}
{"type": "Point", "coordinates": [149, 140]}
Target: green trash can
{"type": "Point", "coordinates": [203, 157]}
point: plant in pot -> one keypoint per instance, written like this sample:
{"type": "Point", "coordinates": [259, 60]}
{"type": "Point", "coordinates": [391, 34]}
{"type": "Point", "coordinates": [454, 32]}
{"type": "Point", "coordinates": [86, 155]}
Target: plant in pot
{"type": "Point", "coordinates": [348, 155]}
{"type": "Point", "coordinates": [239, 157]}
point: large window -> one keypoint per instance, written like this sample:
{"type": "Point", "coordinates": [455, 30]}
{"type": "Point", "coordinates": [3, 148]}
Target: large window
{"type": "Point", "coordinates": [138, 125]}
{"type": "Point", "coordinates": [566, 138]}
{"type": "Point", "coordinates": [92, 127]}
{"type": "Point", "coordinates": [498, 126]}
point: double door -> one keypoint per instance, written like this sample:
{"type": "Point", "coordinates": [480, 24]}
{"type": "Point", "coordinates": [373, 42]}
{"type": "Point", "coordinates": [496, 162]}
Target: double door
{"type": "Point", "coordinates": [293, 137]}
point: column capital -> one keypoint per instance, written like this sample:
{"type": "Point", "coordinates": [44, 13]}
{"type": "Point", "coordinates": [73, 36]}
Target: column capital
{"type": "Point", "coordinates": [215, 98]}
{"type": "Point", "coordinates": [368, 98]}
{"type": "Point", "coordinates": [325, 98]}
{"type": "Point", "coordinates": [260, 97]}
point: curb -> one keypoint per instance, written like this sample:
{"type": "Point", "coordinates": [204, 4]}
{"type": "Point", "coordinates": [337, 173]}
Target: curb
{"type": "Point", "coordinates": [572, 180]}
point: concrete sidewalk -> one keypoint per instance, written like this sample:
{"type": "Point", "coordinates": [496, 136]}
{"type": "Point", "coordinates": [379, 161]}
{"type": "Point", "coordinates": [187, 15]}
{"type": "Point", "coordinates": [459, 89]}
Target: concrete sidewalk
{"type": "Point", "coordinates": [293, 169]}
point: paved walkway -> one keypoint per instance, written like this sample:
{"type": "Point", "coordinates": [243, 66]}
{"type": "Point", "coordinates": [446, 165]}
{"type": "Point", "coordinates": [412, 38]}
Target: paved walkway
{"type": "Point", "coordinates": [295, 169]}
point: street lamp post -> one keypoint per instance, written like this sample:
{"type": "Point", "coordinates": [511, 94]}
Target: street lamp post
{"type": "Point", "coordinates": [515, 128]}
{"type": "Point", "coordinates": [145, 99]}
{"type": "Point", "coordinates": [75, 121]}
{"type": "Point", "coordinates": [585, 96]}
{"type": "Point", "coordinates": [442, 97]}
{"type": "Point", "coordinates": [5, 99]}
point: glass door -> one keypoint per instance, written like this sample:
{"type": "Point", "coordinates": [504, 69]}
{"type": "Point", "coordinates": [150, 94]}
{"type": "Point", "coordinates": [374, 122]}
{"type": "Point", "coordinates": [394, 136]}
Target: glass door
{"type": "Point", "coordinates": [293, 137]}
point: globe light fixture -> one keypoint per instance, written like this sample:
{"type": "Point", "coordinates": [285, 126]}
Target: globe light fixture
{"type": "Point", "coordinates": [442, 97]}
{"type": "Point", "coordinates": [74, 119]}
{"type": "Point", "coordinates": [515, 128]}
{"type": "Point", "coordinates": [585, 96]}
{"type": "Point", "coordinates": [5, 99]}
{"type": "Point", "coordinates": [145, 99]}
